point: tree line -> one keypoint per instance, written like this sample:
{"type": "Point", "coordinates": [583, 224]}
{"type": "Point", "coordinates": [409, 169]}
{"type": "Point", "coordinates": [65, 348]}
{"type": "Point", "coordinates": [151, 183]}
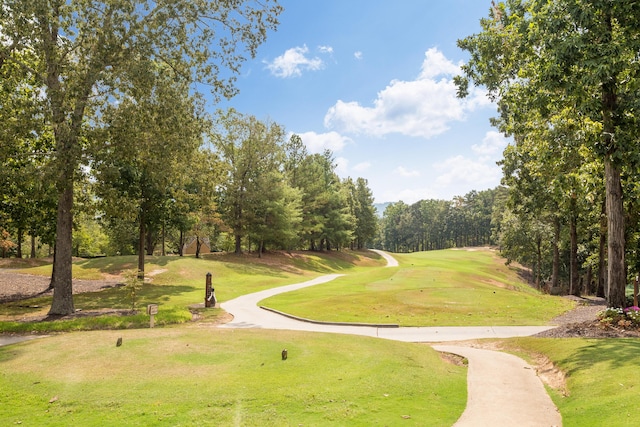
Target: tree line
{"type": "Point", "coordinates": [440, 224]}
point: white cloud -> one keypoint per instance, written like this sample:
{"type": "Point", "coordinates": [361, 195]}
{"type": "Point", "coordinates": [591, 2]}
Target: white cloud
{"type": "Point", "coordinates": [362, 167]}
{"type": "Point", "coordinates": [423, 107]}
{"type": "Point", "coordinates": [492, 145]}
{"type": "Point", "coordinates": [325, 49]}
{"type": "Point", "coordinates": [342, 167]}
{"type": "Point", "coordinates": [357, 55]}
{"type": "Point", "coordinates": [318, 142]}
{"type": "Point", "coordinates": [293, 62]}
{"type": "Point", "coordinates": [436, 64]}
{"type": "Point", "coordinates": [460, 171]}
{"type": "Point", "coordinates": [402, 171]}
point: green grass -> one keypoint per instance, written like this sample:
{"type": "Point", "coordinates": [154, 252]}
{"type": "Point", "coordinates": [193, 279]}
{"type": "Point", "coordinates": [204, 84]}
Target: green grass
{"type": "Point", "coordinates": [602, 378]}
{"type": "Point", "coordinates": [451, 287]}
{"type": "Point", "coordinates": [175, 284]}
{"type": "Point", "coordinates": [202, 376]}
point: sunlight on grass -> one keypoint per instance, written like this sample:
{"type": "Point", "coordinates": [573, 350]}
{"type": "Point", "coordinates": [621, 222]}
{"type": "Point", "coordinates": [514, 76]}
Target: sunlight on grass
{"type": "Point", "coordinates": [451, 287]}
{"type": "Point", "coordinates": [602, 377]}
{"type": "Point", "coordinates": [205, 376]}
{"type": "Point", "coordinates": [176, 283]}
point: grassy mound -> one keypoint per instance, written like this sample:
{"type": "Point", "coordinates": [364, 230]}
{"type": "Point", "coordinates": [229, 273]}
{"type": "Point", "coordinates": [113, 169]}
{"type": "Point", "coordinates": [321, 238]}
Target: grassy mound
{"type": "Point", "coordinates": [175, 283]}
{"type": "Point", "coordinates": [450, 287]}
{"type": "Point", "coordinates": [202, 376]}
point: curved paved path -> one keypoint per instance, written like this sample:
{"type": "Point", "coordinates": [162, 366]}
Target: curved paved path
{"type": "Point", "coordinates": [502, 389]}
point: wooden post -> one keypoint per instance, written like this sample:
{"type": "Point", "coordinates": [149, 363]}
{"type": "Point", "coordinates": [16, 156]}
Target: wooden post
{"type": "Point", "coordinates": [152, 310]}
{"type": "Point", "coordinates": [208, 292]}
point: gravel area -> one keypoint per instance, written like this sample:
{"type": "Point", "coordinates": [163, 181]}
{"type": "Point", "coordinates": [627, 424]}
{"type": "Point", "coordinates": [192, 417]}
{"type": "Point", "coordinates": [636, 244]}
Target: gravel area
{"type": "Point", "coordinates": [582, 322]}
{"type": "Point", "coordinates": [15, 286]}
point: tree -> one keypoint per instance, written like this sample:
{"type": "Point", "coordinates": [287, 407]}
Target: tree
{"type": "Point", "coordinates": [364, 213]}
{"type": "Point", "coordinates": [26, 150]}
{"type": "Point", "coordinates": [532, 54]}
{"type": "Point", "coordinates": [252, 153]}
{"type": "Point", "coordinates": [150, 137]}
{"type": "Point", "coordinates": [87, 49]}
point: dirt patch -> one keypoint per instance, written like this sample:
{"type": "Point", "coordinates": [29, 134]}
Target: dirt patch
{"type": "Point", "coordinates": [453, 359]}
{"type": "Point", "coordinates": [17, 286]}
{"type": "Point", "coordinates": [550, 374]}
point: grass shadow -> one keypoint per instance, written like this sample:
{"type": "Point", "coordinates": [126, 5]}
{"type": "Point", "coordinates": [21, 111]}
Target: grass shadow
{"type": "Point", "coordinates": [615, 352]}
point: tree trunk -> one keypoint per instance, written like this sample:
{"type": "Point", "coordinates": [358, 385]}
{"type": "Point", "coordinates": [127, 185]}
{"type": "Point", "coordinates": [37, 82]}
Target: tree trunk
{"type": "Point", "coordinates": [62, 303]}
{"type": "Point", "coordinates": [588, 289]}
{"type": "Point", "coordinates": [616, 267]}
{"type": "Point", "coordinates": [198, 246]}
{"type": "Point", "coordinates": [141, 238]}
{"type": "Point", "coordinates": [555, 269]}
{"type": "Point", "coordinates": [19, 247]}
{"type": "Point", "coordinates": [574, 288]}
{"type": "Point", "coordinates": [538, 262]}
{"type": "Point", "coordinates": [181, 243]}
{"type": "Point", "coordinates": [238, 246]}
{"type": "Point", "coordinates": [164, 253]}
{"type": "Point", "coordinates": [33, 245]}
{"type": "Point", "coordinates": [602, 254]}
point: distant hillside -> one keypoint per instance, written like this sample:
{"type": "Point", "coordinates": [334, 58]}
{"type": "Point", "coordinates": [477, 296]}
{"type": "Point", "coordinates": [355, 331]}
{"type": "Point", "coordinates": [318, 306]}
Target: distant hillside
{"type": "Point", "coordinates": [380, 207]}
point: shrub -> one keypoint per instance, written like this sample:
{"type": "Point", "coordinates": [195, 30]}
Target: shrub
{"type": "Point", "coordinates": [625, 318]}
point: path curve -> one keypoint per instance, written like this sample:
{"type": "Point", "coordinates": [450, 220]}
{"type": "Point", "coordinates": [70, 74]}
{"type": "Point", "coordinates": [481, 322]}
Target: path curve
{"type": "Point", "coordinates": [502, 389]}
{"type": "Point", "coordinates": [391, 261]}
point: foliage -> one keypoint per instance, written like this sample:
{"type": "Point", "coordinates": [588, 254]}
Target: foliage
{"type": "Point", "coordinates": [565, 78]}
{"type": "Point", "coordinates": [88, 53]}
{"type": "Point", "coordinates": [132, 284]}
{"type": "Point", "coordinates": [618, 317]}
{"type": "Point", "coordinates": [439, 224]}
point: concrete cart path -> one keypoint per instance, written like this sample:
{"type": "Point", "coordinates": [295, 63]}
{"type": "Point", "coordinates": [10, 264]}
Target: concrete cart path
{"type": "Point", "coordinates": [503, 390]}
{"type": "Point", "coordinates": [247, 314]}
{"type": "Point", "coordinates": [14, 339]}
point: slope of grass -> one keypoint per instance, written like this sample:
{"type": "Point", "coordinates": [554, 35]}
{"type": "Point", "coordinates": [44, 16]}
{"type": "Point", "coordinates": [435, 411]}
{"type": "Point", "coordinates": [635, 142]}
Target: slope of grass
{"type": "Point", "coordinates": [175, 283]}
{"type": "Point", "coordinates": [194, 376]}
{"type": "Point", "coordinates": [450, 287]}
{"type": "Point", "coordinates": [602, 378]}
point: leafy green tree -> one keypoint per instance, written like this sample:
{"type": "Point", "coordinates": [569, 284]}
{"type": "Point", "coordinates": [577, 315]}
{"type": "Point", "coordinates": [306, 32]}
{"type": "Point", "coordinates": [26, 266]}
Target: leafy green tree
{"type": "Point", "coordinates": [26, 151]}
{"type": "Point", "coordinates": [532, 54]}
{"type": "Point", "coordinates": [88, 49]}
{"type": "Point", "coordinates": [365, 214]}
{"type": "Point", "coordinates": [150, 137]}
{"type": "Point", "coordinates": [252, 153]}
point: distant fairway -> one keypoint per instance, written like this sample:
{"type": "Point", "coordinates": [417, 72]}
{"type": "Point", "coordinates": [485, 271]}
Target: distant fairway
{"type": "Point", "coordinates": [436, 288]}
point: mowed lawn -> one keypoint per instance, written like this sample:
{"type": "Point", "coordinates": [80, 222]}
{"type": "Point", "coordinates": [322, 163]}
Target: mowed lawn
{"type": "Point", "coordinates": [602, 382]}
{"type": "Point", "coordinates": [436, 288]}
{"type": "Point", "coordinates": [175, 284]}
{"type": "Point", "coordinates": [206, 376]}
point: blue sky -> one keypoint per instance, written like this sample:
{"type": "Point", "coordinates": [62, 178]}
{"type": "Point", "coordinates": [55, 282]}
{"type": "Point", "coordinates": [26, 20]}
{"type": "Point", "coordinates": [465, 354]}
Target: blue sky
{"type": "Point", "coordinates": [372, 80]}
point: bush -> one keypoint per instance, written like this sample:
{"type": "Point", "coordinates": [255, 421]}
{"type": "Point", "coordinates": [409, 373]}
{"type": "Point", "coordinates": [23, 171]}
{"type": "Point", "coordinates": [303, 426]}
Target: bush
{"type": "Point", "coordinates": [618, 317]}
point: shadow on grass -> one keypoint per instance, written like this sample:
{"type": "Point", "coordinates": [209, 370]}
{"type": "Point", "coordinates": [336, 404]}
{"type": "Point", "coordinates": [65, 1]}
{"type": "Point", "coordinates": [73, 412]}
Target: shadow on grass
{"type": "Point", "coordinates": [616, 352]}
{"type": "Point", "coordinates": [118, 264]}
{"type": "Point", "coordinates": [276, 263]}
{"type": "Point", "coordinates": [121, 297]}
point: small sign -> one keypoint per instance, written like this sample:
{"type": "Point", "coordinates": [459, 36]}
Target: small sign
{"type": "Point", "coordinates": [152, 309]}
